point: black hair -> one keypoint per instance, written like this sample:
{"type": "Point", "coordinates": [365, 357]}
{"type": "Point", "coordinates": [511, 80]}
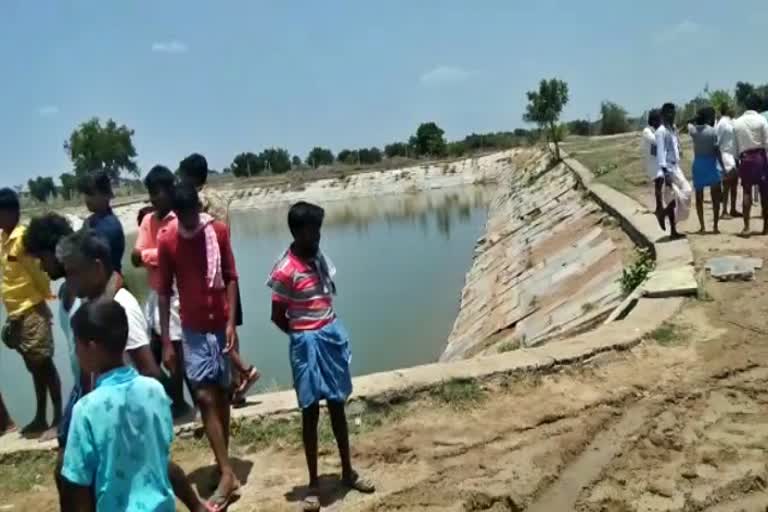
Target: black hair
{"type": "Point", "coordinates": [705, 115]}
{"type": "Point", "coordinates": [195, 166]}
{"type": "Point", "coordinates": [88, 245]}
{"type": "Point", "coordinates": [754, 102]}
{"type": "Point", "coordinates": [667, 108]}
{"type": "Point", "coordinates": [304, 214]}
{"type": "Point", "coordinates": [44, 233]}
{"type": "Point", "coordinates": [654, 116]}
{"type": "Point", "coordinates": [97, 182]}
{"type": "Point", "coordinates": [9, 200]}
{"type": "Point", "coordinates": [143, 213]}
{"type": "Point", "coordinates": [725, 109]}
{"type": "Point", "coordinates": [103, 322]}
{"type": "Point", "coordinates": [185, 198]}
{"type": "Point", "coordinates": [160, 177]}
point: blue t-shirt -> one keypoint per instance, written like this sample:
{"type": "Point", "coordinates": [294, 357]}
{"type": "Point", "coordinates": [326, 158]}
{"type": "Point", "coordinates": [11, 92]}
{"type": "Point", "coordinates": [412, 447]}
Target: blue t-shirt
{"type": "Point", "coordinates": [119, 442]}
{"type": "Point", "coordinates": [109, 226]}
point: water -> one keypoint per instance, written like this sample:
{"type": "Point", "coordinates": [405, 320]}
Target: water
{"type": "Point", "coordinates": [401, 264]}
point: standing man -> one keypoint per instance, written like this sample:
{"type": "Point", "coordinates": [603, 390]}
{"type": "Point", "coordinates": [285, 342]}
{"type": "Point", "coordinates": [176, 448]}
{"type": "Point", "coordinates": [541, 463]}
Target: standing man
{"type": "Point", "coordinates": [302, 307]}
{"type": "Point", "coordinates": [160, 183]}
{"type": "Point", "coordinates": [195, 252]}
{"type": "Point", "coordinates": [648, 151]}
{"type": "Point", "coordinates": [751, 131]}
{"type": "Point", "coordinates": [194, 172]}
{"type": "Point", "coordinates": [668, 161]}
{"type": "Point", "coordinates": [25, 289]}
{"type": "Point", "coordinates": [97, 189]}
{"type": "Point", "coordinates": [727, 141]}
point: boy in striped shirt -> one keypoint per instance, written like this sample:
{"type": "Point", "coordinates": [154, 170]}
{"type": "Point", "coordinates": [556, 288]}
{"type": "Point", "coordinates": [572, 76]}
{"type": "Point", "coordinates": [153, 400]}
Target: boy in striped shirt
{"type": "Point", "coordinates": [302, 307]}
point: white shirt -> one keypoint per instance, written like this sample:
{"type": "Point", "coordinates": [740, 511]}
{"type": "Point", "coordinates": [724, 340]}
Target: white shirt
{"type": "Point", "coordinates": [137, 323]}
{"type": "Point", "coordinates": [751, 131]}
{"type": "Point", "coordinates": [726, 137]}
{"type": "Point", "coordinates": [667, 148]}
{"type": "Point", "coordinates": [648, 150]}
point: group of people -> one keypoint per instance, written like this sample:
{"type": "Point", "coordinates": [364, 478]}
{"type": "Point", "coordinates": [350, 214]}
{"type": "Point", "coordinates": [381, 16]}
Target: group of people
{"type": "Point", "coordinates": [726, 152]}
{"type": "Point", "coordinates": [116, 428]}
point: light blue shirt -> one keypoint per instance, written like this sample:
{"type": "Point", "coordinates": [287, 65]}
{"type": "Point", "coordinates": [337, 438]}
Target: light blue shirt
{"type": "Point", "coordinates": [65, 318]}
{"type": "Point", "coordinates": [119, 442]}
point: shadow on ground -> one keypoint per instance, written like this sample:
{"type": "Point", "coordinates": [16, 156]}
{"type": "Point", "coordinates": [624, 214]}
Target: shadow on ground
{"type": "Point", "coordinates": [330, 491]}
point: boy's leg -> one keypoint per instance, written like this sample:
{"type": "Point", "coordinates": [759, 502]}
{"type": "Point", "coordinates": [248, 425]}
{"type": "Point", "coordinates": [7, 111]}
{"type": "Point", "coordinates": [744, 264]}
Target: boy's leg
{"type": "Point", "coordinates": [210, 399]}
{"type": "Point", "coordinates": [341, 433]}
{"type": "Point", "coordinates": [309, 419]}
{"type": "Point", "coordinates": [53, 385]}
{"type": "Point", "coordinates": [700, 208]}
{"type": "Point", "coordinates": [183, 489]}
{"type": "Point", "coordinates": [658, 185]}
{"type": "Point", "coordinates": [717, 195]}
{"type": "Point", "coordinates": [38, 423]}
{"type": "Point", "coordinates": [764, 205]}
{"type": "Point", "coordinates": [747, 205]}
{"type": "Point", "coordinates": [6, 423]}
{"type": "Point", "coordinates": [180, 406]}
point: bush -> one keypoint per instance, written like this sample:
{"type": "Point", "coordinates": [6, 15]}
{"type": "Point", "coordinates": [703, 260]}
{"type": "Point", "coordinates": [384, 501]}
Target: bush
{"type": "Point", "coordinates": [634, 275]}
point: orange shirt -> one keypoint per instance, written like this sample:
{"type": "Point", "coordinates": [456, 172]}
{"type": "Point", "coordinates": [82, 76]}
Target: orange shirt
{"type": "Point", "coordinates": [146, 244]}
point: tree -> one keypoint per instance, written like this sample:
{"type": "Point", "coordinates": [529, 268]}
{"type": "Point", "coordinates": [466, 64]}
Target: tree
{"type": "Point", "coordinates": [369, 156]}
{"type": "Point", "coordinates": [456, 149]}
{"type": "Point", "coordinates": [545, 106]}
{"type": "Point", "coordinates": [247, 164]}
{"type": "Point", "coordinates": [580, 127]}
{"type": "Point", "coordinates": [41, 188]}
{"type": "Point", "coordinates": [276, 160]}
{"type": "Point", "coordinates": [93, 147]}
{"type": "Point", "coordinates": [319, 156]}
{"type": "Point", "coordinates": [68, 185]}
{"type": "Point", "coordinates": [347, 156]}
{"type": "Point", "coordinates": [721, 98]}
{"type": "Point", "coordinates": [429, 140]}
{"type": "Point", "coordinates": [396, 149]}
{"type": "Point", "coordinates": [743, 91]}
{"type": "Point", "coordinates": [689, 111]}
{"type": "Point", "coordinates": [613, 119]}
{"type": "Point", "coordinates": [296, 162]}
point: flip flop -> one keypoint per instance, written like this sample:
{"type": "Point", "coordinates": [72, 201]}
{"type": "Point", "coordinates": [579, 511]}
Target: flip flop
{"type": "Point", "coordinates": [310, 503]}
{"type": "Point", "coordinates": [250, 379]}
{"type": "Point", "coordinates": [360, 484]}
{"type": "Point", "coordinates": [219, 501]}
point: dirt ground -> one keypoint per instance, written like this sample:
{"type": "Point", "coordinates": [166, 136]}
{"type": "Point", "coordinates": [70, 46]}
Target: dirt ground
{"type": "Point", "coordinates": [679, 423]}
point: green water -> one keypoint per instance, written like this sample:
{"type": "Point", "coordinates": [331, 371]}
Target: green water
{"type": "Point", "coordinates": [401, 264]}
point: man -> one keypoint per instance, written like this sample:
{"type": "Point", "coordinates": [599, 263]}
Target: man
{"type": "Point", "coordinates": [648, 150]}
{"type": "Point", "coordinates": [302, 307]}
{"type": "Point", "coordinates": [196, 253]}
{"type": "Point", "coordinates": [668, 162]}
{"type": "Point", "coordinates": [751, 143]}
{"type": "Point", "coordinates": [25, 289]}
{"type": "Point", "coordinates": [727, 141]}
{"type": "Point", "coordinates": [160, 183]}
{"type": "Point", "coordinates": [194, 172]}
{"type": "Point", "coordinates": [97, 189]}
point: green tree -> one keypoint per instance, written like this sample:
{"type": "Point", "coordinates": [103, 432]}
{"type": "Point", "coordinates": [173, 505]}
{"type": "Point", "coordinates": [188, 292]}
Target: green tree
{"type": "Point", "coordinates": [68, 185]}
{"type": "Point", "coordinates": [687, 114]}
{"type": "Point", "coordinates": [743, 91]}
{"type": "Point", "coordinates": [457, 149]}
{"type": "Point", "coordinates": [296, 161]}
{"type": "Point", "coordinates": [319, 156]}
{"type": "Point", "coordinates": [545, 106]}
{"type": "Point", "coordinates": [369, 156]}
{"type": "Point", "coordinates": [93, 147]}
{"type": "Point", "coordinates": [396, 149]}
{"type": "Point", "coordinates": [429, 140]}
{"type": "Point", "coordinates": [41, 188]}
{"type": "Point", "coordinates": [247, 164]}
{"type": "Point", "coordinates": [580, 127]}
{"type": "Point", "coordinates": [613, 119]}
{"type": "Point", "coordinates": [276, 160]}
{"type": "Point", "coordinates": [347, 156]}
{"type": "Point", "coordinates": [721, 98]}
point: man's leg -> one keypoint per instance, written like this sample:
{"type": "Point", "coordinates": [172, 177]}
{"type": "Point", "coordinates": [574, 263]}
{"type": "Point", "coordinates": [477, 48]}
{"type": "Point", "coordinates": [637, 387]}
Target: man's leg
{"type": "Point", "coordinates": [700, 209]}
{"type": "Point", "coordinates": [717, 195]}
{"type": "Point", "coordinates": [341, 433]}
{"type": "Point", "coordinates": [210, 399]}
{"type": "Point", "coordinates": [309, 418]}
{"type": "Point", "coordinates": [672, 224]}
{"type": "Point", "coordinates": [53, 385]}
{"type": "Point", "coordinates": [38, 423]}
{"type": "Point", "coordinates": [734, 193]}
{"type": "Point", "coordinates": [183, 489]}
{"type": "Point", "coordinates": [176, 387]}
{"type": "Point", "coordinates": [746, 205]}
{"type": "Point", "coordinates": [658, 185]}
{"type": "Point", "coordinates": [764, 205]}
{"type": "Point", "coordinates": [6, 423]}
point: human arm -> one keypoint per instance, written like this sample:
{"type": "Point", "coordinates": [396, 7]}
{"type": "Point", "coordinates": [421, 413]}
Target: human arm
{"type": "Point", "coordinates": [279, 315]}
{"type": "Point", "coordinates": [229, 275]}
{"type": "Point", "coordinates": [166, 273]}
{"type": "Point", "coordinates": [661, 151]}
{"type": "Point", "coordinates": [80, 461]}
{"type": "Point", "coordinates": [39, 278]}
{"type": "Point", "coordinates": [82, 497]}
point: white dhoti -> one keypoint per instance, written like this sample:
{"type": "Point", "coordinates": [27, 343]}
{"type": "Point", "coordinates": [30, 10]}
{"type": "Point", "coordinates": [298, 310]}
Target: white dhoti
{"type": "Point", "coordinates": [680, 190]}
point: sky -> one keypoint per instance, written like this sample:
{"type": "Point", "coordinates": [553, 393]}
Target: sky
{"type": "Point", "coordinates": [221, 78]}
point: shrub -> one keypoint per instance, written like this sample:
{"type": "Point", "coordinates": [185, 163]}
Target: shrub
{"type": "Point", "coordinates": [634, 275]}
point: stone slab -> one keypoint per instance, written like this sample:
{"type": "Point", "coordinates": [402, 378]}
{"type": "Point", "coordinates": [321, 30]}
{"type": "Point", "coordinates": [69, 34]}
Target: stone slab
{"type": "Point", "coordinates": [733, 268]}
{"type": "Point", "coordinates": [671, 282]}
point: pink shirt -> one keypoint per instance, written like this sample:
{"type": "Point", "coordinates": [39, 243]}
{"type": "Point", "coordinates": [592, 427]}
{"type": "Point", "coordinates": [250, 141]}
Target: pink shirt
{"type": "Point", "coordinates": [146, 243]}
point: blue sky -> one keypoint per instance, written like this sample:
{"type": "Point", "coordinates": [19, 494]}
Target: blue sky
{"type": "Point", "coordinates": [239, 75]}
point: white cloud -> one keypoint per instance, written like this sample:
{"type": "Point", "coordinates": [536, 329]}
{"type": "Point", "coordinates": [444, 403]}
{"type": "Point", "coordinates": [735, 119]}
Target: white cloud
{"type": "Point", "coordinates": [48, 110]}
{"type": "Point", "coordinates": [172, 47]}
{"type": "Point", "coordinates": [678, 32]}
{"type": "Point", "coordinates": [443, 75]}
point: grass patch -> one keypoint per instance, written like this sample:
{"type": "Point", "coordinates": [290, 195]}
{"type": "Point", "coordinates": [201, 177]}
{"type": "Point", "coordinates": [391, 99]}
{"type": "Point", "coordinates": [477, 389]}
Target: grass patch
{"type": "Point", "coordinates": [668, 335]}
{"type": "Point", "coordinates": [633, 275]}
{"type": "Point", "coordinates": [19, 472]}
{"type": "Point", "coordinates": [508, 346]}
{"type": "Point", "coordinates": [588, 307]}
{"type": "Point", "coordinates": [459, 394]}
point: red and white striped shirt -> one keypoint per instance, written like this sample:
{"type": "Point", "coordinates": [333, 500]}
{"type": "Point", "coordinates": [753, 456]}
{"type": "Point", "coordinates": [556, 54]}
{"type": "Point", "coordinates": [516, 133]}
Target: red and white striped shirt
{"type": "Point", "coordinates": [298, 284]}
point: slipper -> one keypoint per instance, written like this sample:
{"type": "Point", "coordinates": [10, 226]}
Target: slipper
{"type": "Point", "coordinates": [9, 430]}
{"type": "Point", "coordinates": [310, 503]}
{"type": "Point", "coordinates": [360, 484]}
{"type": "Point", "coordinates": [219, 501]}
{"type": "Point", "coordinates": [248, 381]}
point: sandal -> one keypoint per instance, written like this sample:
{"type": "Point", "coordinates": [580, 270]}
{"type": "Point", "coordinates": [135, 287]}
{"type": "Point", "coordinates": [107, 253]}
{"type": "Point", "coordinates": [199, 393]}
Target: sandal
{"type": "Point", "coordinates": [310, 503]}
{"type": "Point", "coordinates": [250, 377]}
{"type": "Point", "coordinates": [219, 501]}
{"type": "Point", "coordinates": [360, 484]}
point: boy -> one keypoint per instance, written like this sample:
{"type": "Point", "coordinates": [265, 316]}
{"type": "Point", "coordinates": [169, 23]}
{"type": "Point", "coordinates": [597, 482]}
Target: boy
{"type": "Point", "coordinates": [97, 189]}
{"type": "Point", "coordinates": [194, 172]}
{"type": "Point", "coordinates": [751, 144]}
{"type": "Point", "coordinates": [668, 161]}
{"type": "Point", "coordinates": [302, 286]}
{"type": "Point", "coordinates": [160, 183]}
{"type": "Point", "coordinates": [195, 252]}
{"type": "Point", "coordinates": [727, 139]}
{"type": "Point", "coordinates": [25, 289]}
{"type": "Point", "coordinates": [117, 456]}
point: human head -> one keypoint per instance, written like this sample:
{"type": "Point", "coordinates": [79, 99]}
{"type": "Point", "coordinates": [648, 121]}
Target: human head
{"type": "Point", "coordinates": [143, 213]}
{"type": "Point", "coordinates": [705, 115]}
{"type": "Point", "coordinates": [41, 238]}
{"type": "Point", "coordinates": [754, 102]}
{"type": "Point", "coordinates": [186, 206]}
{"type": "Point", "coordinates": [668, 113]}
{"type": "Point", "coordinates": [160, 183]}
{"type": "Point", "coordinates": [304, 221]}
{"type": "Point", "coordinates": [96, 187]}
{"type": "Point", "coordinates": [194, 170]}
{"type": "Point", "coordinates": [9, 209]}
{"type": "Point", "coordinates": [87, 261]}
{"type": "Point", "coordinates": [654, 118]}
{"type": "Point", "coordinates": [726, 110]}
{"type": "Point", "coordinates": [101, 333]}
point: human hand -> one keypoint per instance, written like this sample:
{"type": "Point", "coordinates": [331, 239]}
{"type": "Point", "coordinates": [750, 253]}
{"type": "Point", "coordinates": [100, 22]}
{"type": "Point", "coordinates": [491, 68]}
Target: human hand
{"type": "Point", "coordinates": [169, 355]}
{"type": "Point", "coordinates": [231, 338]}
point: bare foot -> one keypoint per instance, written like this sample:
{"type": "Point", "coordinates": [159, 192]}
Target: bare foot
{"type": "Point", "coordinates": [50, 434]}
{"type": "Point", "coordinates": [225, 492]}
{"type": "Point", "coordinates": [702, 230]}
{"type": "Point", "coordinates": [8, 428]}
{"type": "Point", "coordinates": [736, 214]}
{"type": "Point", "coordinates": [745, 233]}
{"type": "Point", "coordinates": [716, 231]}
{"type": "Point", "coordinates": [37, 426]}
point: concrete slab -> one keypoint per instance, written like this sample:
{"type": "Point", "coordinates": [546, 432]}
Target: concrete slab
{"type": "Point", "coordinates": [672, 282]}
{"type": "Point", "coordinates": [733, 268]}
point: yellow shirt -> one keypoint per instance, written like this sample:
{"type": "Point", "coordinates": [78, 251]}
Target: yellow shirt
{"type": "Point", "coordinates": [24, 284]}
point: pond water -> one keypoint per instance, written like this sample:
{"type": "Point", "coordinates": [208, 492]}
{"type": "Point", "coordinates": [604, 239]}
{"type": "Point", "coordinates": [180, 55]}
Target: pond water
{"type": "Point", "coordinates": [401, 264]}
